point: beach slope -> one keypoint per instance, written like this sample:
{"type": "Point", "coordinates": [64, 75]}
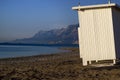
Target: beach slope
{"type": "Point", "coordinates": [62, 66]}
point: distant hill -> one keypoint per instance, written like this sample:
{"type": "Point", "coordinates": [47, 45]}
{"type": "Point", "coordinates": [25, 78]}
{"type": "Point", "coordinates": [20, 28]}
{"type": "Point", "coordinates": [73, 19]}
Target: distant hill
{"type": "Point", "coordinates": [67, 35]}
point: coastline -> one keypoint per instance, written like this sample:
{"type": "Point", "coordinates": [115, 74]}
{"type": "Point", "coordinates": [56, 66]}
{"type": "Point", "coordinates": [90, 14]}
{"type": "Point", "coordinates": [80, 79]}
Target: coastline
{"type": "Point", "coordinates": [13, 51]}
{"type": "Point", "coordinates": [60, 66]}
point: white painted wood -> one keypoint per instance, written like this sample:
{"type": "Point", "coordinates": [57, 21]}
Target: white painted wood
{"type": "Point", "coordinates": [95, 6]}
{"type": "Point", "coordinates": [116, 28]}
{"type": "Point", "coordinates": [114, 61]}
{"type": "Point", "coordinates": [98, 32]}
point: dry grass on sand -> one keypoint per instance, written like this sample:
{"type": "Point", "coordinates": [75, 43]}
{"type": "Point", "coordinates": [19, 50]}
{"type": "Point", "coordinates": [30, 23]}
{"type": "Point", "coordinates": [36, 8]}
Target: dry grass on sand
{"type": "Point", "coordinates": [63, 66]}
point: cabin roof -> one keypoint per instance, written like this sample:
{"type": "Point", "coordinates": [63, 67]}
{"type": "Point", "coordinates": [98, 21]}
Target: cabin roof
{"type": "Point", "coordinates": [95, 6]}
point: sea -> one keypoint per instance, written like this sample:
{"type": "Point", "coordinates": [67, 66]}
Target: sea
{"type": "Point", "coordinates": [11, 51]}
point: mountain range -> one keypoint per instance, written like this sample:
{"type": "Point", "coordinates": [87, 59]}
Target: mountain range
{"type": "Point", "coordinates": [68, 35]}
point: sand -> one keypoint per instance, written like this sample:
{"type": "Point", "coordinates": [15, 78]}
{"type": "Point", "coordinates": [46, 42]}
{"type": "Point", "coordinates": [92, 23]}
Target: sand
{"type": "Point", "coordinates": [62, 66]}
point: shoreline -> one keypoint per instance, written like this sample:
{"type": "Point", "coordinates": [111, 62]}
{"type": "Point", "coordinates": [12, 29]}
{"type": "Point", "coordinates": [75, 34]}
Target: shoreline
{"type": "Point", "coordinates": [65, 50]}
{"type": "Point", "coordinates": [39, 57]}
{"type": "Point", "coordinates": [62, 66]}
{"type": "Point", "coordinates": [28, 51]}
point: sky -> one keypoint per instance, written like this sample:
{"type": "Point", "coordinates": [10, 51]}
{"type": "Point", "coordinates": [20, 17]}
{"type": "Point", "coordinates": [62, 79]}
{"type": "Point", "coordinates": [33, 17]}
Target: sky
{"type": "Point", "coordinates": [23, 18]}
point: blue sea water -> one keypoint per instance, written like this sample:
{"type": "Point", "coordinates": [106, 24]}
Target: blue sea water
{"type": "Point", "coordinates": [7, 51]}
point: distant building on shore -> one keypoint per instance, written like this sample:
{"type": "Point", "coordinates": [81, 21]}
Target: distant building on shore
{"type": "Point", "coordinates": [99, 32]}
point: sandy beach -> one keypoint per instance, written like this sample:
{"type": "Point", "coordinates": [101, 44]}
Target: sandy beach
{"type": "Point", "coordinates": [62, 66]}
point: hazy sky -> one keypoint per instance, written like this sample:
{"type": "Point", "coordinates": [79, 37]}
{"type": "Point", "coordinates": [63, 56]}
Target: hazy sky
{"type": "Point", "coordinates": [24, 18]}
